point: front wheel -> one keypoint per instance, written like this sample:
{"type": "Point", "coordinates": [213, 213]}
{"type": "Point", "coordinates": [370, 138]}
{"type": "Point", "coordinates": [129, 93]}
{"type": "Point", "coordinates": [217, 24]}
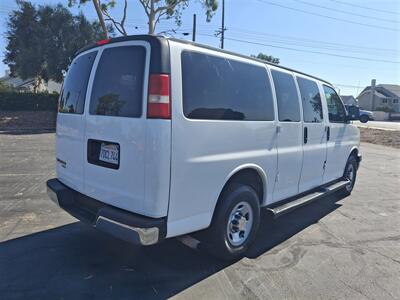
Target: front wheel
{"type": "Point", "coordinates": [364, 119]}
{"type": "Point", "coordinates": [350, 174]}
{"type": "Point", "coordinates": [235, 222]}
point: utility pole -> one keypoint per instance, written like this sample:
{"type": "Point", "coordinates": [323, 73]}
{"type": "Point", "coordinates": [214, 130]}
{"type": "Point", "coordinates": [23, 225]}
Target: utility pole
{"type": "Point", "coordinates": [194, 28]}
{"type": "Point", "coordinates": [373, 84]}
{"type": "Point", "coordinates": [223, 24]}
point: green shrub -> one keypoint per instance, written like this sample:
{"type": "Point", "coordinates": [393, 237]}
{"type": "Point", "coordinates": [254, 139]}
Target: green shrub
{"type": "Point", "coordinates": [28, 101]}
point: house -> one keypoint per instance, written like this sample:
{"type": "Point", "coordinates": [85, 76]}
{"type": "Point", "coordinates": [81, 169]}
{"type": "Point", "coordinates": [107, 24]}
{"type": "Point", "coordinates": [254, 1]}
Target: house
{"type": "Point", "coordinates": [28, 85]}
{"type": "Point", "coordinates": [381, 97]}
{"type": "Point", "coordinates": [349, 100]}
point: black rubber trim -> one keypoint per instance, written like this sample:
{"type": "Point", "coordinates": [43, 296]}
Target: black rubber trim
{"type": "Point", "coordinates": [160, 53]}
{"type": "Point", "coordinates": [88, 210]}
{"type": "Point", "coordinates": [159, 58]}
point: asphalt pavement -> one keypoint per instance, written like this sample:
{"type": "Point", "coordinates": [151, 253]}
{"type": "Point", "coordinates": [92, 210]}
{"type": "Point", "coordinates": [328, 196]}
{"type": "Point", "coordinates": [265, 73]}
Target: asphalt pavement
{"type": "Point", "coordinates": [331, 249]}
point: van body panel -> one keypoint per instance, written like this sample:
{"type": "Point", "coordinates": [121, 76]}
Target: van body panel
{"type": "Point", "coordinates": [313, 135]}
{"type": "Point", "coordinates": [70, 158]}
{"type": "Point", "coordinates": [125, 187]}
{"type": "Point", "coordinates": [70, 129]}
{"type": "Point", "coordinates": [314, 156]}
{"type": "Point", "coordinates": [289, 145]}
{"type": "Point", "coordinates": [342, 140]}
{"type": "Point", "coordinates": [205, 151]}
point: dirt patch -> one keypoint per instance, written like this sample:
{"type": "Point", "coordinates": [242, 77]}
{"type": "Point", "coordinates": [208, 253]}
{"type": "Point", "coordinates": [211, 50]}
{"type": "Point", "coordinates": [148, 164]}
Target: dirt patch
{"type": "Point", "coordinates": [35, 120]}
{"type": "Point", "coordinates": [380, 137]}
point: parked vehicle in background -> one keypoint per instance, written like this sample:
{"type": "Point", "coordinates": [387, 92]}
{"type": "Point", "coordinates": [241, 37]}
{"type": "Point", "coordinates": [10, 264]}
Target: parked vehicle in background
{"type": "Point", "coordinates": [356, 113]}
{"type": "Point", "coordinates": [158, 137]}
{"type": "Point", "coordinates": [366, 115]}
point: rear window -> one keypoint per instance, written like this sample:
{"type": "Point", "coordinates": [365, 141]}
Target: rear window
{"type": "Point", "coordinates": [223, 89]}
{"type": "Point", "coordinates": [118, 83]}
{"type": "Point", "coordinates": [72, 98]}
{"type": "Point", "coordinates": [311, 99]}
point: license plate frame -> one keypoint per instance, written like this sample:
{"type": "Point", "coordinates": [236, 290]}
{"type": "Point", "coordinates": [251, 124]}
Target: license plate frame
{"type": "Point", "coordinates": [94, 150]}
{"type": "Point", "coordinates": [109, 153]}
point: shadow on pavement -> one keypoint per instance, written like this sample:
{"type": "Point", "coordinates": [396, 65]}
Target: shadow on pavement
{"type": "Point", "coordinates": [77, 262]}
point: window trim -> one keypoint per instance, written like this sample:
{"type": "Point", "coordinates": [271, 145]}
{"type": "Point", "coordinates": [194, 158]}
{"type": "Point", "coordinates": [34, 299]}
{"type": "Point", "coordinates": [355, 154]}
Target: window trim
{"type": "Point", "coordinates": [327, 107]}
{"type": "Point", "coordinates": [145, 77]}
{"type": "Point", "coordinates": [222, 55]}
{"type": "Point", "coordinates": [297, 94]}
{"type": "Point", "coordinates": [323, 119]}
{"type": "Point", "coordinates": [88, 86]}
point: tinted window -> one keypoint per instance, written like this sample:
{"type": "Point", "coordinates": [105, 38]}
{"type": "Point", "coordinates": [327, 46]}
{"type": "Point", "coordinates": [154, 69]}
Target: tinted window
{"type": "Point", "coordinates": [118, 84]}
{"type": "Point", "coordinates": [286, 96]}
{"type": "Point", "coordinates": [72, 98]}
{"type": "Point", "coordinates": [336, 110]}
{"type": "Point", "coordinates": [311, 99]}
{"type": "Point", "coordinates": [223, 89]}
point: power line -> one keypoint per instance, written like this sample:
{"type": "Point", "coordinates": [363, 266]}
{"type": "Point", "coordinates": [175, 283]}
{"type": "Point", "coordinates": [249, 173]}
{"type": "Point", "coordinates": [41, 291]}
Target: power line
{"type": "Point", "coordinates": [313, 41]}
{"type": "Point", "coordinates": [345, 12]}
{"type": "Point", "coordinates": [316, 44]}
{"type": "Point", "coordinates": [325, 16]}
{"type": "Point", "coordinates": [365, 7]}
{"type": "Point", "coordinates": [309, 51]}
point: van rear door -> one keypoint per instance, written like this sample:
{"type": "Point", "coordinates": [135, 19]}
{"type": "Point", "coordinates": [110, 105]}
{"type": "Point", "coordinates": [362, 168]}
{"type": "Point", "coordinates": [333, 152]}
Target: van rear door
{"type": "Point", "coordinates": [116, 128]}
{"type": "Point", "coordinates": [71, 122]}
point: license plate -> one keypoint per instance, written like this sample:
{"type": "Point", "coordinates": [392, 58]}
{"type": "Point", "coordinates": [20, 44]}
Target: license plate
{"type": "Point", "coordinates": [109, 153]}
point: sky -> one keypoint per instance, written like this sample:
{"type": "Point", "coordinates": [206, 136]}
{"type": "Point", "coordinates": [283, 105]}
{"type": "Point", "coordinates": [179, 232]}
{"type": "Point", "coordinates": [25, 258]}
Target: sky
{"type": "Point", "coordinates": [346, 42]}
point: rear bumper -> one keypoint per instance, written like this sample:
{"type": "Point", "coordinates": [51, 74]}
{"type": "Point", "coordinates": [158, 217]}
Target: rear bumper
{"type": "Point", "coordinates": [125, 225]}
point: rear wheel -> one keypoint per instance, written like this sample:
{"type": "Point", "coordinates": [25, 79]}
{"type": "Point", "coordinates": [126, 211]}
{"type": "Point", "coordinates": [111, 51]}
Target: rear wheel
{"type": "Point", "coordinates": [235, 222]}
{"type": "Point", "coordinates": [350, 174]}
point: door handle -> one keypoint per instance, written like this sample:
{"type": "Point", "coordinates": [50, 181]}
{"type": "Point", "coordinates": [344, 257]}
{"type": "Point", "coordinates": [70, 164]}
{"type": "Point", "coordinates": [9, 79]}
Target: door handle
{"type": "Point", "coordinates": [328, 133]}
{"type": "Point", "coordinates": [305, 135]}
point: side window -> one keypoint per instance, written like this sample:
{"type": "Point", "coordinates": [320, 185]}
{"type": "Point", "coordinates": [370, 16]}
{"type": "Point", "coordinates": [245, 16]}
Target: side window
{"type": "Point", "coordinates": [217, 88]}
{"type": "Point", "coordinates": [286, 96]}
{"type": "Point", "coordinates": [118, 83]}
{"type": "Point", "coordinates": [337, 113]}
{"type": "Point", "coordinates": [72, 96]}
{"type": "Point", "coordinates": [311, 99]}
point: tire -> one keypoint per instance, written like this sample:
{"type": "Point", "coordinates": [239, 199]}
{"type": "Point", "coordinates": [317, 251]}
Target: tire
{"type": "Point", "coordinates": [350, 173]}
{"type": "Point", "coordinates": [364, 119]}
{"type": "Point", "coordinates": [235, 222]}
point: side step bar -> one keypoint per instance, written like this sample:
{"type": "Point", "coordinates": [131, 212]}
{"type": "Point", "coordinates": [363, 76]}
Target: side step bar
{"type": "Point", "coordinates": [280, 210]}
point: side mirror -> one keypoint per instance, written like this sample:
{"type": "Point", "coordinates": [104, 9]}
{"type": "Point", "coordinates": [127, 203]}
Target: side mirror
{"type": "Point", "coordinates": [353, 113]}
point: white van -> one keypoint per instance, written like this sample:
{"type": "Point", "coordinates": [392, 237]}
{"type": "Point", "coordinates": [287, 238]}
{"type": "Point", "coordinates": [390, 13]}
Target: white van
{"type": "Point", "coordinates": [158, 137]}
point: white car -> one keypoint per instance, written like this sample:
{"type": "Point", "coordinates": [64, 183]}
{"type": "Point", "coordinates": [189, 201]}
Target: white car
{"type": "Point", "coordinates": [158, 138]}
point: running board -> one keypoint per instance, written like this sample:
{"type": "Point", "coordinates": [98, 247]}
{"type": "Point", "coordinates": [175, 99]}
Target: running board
{"type": "Point", "coordinates": [308, 198]}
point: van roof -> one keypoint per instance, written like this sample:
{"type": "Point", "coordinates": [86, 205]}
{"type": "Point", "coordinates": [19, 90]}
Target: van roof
{"type": "Point", "coordinates": [158, 40]}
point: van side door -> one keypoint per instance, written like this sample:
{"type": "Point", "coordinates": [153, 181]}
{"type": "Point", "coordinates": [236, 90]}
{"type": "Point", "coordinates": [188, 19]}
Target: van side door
{"type": "Point", "coordinates": [339, 141]}
{"type": "Point", "coordinates": [314, 136]}
{"type": "Point", "coordinates": [290, 136]}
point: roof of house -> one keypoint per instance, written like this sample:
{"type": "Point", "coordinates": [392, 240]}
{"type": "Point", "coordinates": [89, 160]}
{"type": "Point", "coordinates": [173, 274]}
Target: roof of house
{"type": "Point", "coordinates": [392, 88]}
{"type": "Point", "coordinates": [384, 90]}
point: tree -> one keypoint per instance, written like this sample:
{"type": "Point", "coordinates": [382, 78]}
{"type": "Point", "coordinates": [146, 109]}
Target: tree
{"type": "Point", "coordinates": [5, 87]}
{"type": "Point", "coordinates": [266, 57]}
{"type": "Point", "coordinates": [155, 10]}
{"type": "Point", "coordinates": [42, 41]}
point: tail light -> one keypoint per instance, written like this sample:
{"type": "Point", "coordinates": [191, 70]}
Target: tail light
{"type": "Point", "coordinates": [159, 106]}
{"type": "Point", "coordinates": [103, 42]}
